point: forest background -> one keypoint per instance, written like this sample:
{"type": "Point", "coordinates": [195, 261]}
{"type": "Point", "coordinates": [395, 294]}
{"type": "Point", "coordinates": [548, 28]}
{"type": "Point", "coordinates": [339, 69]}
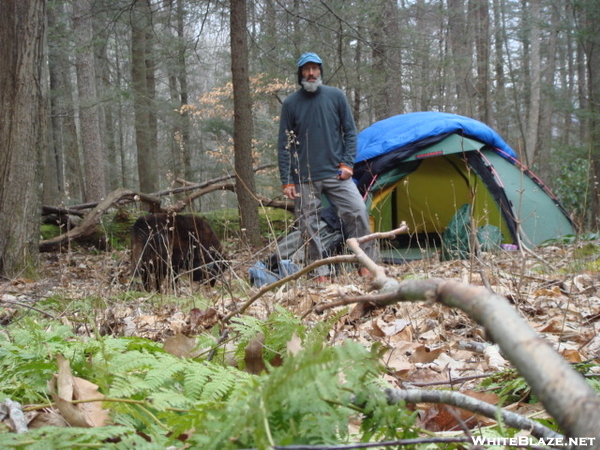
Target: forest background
{"type": "Point", "coordinates": [140, 94]}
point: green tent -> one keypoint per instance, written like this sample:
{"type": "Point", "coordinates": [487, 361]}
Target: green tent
{"type": "Point", "coordinates": [408, 175]}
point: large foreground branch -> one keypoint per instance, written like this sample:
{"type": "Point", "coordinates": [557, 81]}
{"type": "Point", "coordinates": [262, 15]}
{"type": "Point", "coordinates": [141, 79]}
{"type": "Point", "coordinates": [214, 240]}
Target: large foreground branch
{"type": "Point", "coordinates": [564, 393]}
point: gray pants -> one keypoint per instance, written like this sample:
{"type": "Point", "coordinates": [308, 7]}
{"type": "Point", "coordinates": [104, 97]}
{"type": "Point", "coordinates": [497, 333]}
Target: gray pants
{"type": "Point", "coordinates": [344, 195]}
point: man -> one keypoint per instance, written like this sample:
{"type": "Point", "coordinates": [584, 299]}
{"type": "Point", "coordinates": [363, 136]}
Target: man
{"type": "Point", "coordinates": [316, 150]}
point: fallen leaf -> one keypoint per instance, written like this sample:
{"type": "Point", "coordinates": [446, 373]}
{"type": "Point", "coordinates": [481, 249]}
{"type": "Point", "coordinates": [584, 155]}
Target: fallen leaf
{"type": "Point", "coordinates": [253, 356]}
{"type": "Point", "coordinates": [573, 356]}
{"type": "Point", "coordinates": [424, 354]}
{"type": "Point", "coordinates": [180, 345]}
{"type": "Point", "coordinates": [294, 345]}
{"type": "Point", "coordinates": [65, 388]}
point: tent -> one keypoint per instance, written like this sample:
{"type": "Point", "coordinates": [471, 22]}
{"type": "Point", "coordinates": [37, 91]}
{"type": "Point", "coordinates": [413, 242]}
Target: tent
{"type": "Point", "coordinates": [422, 167]}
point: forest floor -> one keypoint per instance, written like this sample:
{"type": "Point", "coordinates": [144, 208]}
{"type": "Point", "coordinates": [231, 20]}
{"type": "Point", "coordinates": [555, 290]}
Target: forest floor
{"type": "Point", "coordinates": [556, 289]}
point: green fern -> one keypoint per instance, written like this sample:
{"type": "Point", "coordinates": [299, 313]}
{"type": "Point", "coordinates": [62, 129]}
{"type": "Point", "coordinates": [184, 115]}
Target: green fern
{"type": "Point", "coordinates": [310, 398]}
{"type": "Point", "coordinates": [114, 437]}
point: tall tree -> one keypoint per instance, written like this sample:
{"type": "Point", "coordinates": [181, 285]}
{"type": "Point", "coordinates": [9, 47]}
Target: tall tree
{"type": "Point", "coordinates": [387, 60]}
{"type": "Point", "coordinates": [589, 34]}
{"type": "Point", "coordinates": [460, 43]}
{"type": "Point", "coordinates": [482, 48]}
{"type": "Point", "coordinates": [89, 111]}
{"type": "Point", "coordinates": [243, 126]}
{"type": "Point", "coordinates": [142, 77]}
{"type": "Point", "coordinates": [22, 132]}
{"type": "Point", "coordinates": [63, 176]}
{"type": "Point", "coordinates": [533, 116]}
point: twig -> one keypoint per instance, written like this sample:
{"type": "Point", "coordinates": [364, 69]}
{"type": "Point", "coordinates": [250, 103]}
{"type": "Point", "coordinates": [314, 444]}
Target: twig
{"type": "Point", "coordinates": [381, 281]}
{"type": "Point", "coordinates": [25, 305]}
{"type": "Point", "coordinates": [458, 380]}
{"type": "Point", "coordinates": [294, 276]}
{"type": "Point", "coordinates": [359, 256]}
{"type": "Point", "coordinates": [474, 405]}
{"type": "Point", "coordinates": [399, 443]}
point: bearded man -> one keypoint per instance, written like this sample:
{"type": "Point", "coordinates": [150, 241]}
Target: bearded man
{"type": "Point", "coordinates": [316, 151]}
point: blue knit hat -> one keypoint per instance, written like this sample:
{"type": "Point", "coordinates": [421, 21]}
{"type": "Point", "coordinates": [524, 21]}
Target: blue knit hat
{"type": "Point", "coordinates": [306, 58]}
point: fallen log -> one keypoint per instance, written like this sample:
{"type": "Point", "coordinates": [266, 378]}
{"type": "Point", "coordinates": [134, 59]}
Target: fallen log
{"type": "Point", "coordinates": [87, 227]}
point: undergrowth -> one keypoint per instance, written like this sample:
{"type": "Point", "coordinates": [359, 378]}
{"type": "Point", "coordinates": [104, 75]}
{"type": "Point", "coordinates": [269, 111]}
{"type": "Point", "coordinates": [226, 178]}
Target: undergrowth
{"type": "Point", "coordinates": [322, 395]}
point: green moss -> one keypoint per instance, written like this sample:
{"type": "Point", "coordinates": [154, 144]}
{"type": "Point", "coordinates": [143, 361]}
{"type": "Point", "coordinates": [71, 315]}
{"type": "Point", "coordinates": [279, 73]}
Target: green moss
{"type": "Point", "coordinates": [587, 251]}
{"type": "Point", "coordinates": [114, 230]}
{"type": "Point", "coordinates": [273, 221]}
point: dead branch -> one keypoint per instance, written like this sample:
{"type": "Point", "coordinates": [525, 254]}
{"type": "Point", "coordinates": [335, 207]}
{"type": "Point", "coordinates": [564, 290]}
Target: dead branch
{"type": "Point", "coordinates": [381, 281]}
{"type": "Point", "coordinates": [356, 258]}
{"type": "Point", "coordinates": [332, 260]}
{"type": "Point", "coordinates": [564, 393]}
{"type": "Point", "coordinates": [397, 444]}
{"type": "Point", "coordinates": [25, 305]}
{"type": "Point", "coordinates": [47, 210]}
{"type": "Point", "coordinates": [474, 405]}
{"type": "Point", "coordinates": [153, 198]}
{"type": "Point", "coordinates": [87, 227]}
{"type": "Point", "coordinates": [182, 204]}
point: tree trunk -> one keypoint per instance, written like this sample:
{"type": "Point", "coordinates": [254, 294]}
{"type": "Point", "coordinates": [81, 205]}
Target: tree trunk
{"type": "Point", "coordinates": [89, 118]}
{"type": "Point", "coordinates": [145, 143]}
{"type": "Point", "coordinates": [63, 142]}
{"type": "Point", "coordinates": [107, 109]}
{"type": "Point", "coordinates": [22, 132]}
{"type": "Point", "coordinates": [590, 35]}
{"type": "Point", "coordinates": [533, 117]}
{"type": "Point", "coordinates": [482, 47]}
{"type": "Point", "coordinates": [544, 155]}
{"type": "Point", "coordinates": [461, 57]}
{"type": "Point", "coordinates": [500, 100]}
{"type": "Point", "coordinates": [242, 126]}
{"type": "Point", "coordinates": [387, 67]}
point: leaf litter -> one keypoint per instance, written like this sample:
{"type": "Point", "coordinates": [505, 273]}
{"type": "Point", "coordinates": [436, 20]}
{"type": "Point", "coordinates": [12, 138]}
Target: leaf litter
{"type": "Point", "coordinates": [424, 345]}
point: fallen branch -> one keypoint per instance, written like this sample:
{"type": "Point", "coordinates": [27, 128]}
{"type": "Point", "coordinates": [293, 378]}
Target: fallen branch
{"type": "Point", "coordinates": [381, 281]}
{"type": "Point", "coordinates": [269, 287]}
{"type": "Point", "coordinates": [182, 204]}
{"type": "Point", "coordinates": [474, 405]}
{"type": "Point", "coordinates": [87, 227]}
{"type": "Point", "coordinates": [564, 393]}
{"type": "Point", "coordinates": [358, 257]}
{"type": "Point", "coordinates": [25, 305]}
{"type": "Point", "coordinates": [154, 198]}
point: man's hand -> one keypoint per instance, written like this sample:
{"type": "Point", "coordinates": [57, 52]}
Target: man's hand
{"type": "Point", "coordinates": [344, 173]}
{"type": "Point", "coordinates": [290, 192]}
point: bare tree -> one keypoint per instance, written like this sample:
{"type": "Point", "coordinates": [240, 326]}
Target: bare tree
{"type": "Point", "coordinates": [22, 132]}
{"type": "Point", "coordinates": [533, 117]}
{"type": "Point", "coordinates": [62, 160]}
{"type": "Point", "coordinates": [589, 23]}
{"type": "Point", "coordinates": [242, 128]}
{"type": "Point", "coordinates": [89, 118]}
{"type": "Point", "coordinates": [482, 49]}
{"type": "Point", "coordinates": [142, 77]}
{"type": "Point", "coordinates": [460, 43]}
{"type": "Point", "coordinates": [387, 60]}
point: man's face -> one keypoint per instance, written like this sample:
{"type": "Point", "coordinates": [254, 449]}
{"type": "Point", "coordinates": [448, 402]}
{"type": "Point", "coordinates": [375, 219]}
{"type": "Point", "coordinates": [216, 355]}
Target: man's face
{"type": "Point", "coordinates": [311, 71]}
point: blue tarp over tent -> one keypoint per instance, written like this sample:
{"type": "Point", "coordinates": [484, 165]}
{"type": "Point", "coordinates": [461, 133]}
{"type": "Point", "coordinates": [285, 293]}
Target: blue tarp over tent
{"type": "Point", "coordinates": [399, 131]}
{"type": "Point", "coordinates": [420, 168]}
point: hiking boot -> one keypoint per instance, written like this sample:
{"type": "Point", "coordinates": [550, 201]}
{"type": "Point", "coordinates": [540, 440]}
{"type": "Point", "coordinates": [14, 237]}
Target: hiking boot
{"type": "Point", "coordinates": [363, 272]}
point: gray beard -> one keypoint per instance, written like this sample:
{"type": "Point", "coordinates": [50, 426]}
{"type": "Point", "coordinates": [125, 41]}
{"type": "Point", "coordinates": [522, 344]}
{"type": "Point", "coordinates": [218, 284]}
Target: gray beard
{"type": "Point", "coordinates": [312, 86]}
